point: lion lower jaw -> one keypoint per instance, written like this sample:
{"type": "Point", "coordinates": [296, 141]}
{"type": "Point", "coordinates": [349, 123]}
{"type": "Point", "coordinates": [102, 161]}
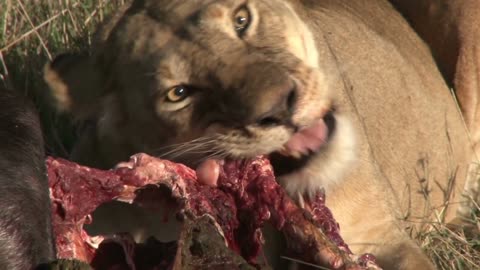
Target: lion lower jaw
{"type": "Point", "coordinates": [327, 167]}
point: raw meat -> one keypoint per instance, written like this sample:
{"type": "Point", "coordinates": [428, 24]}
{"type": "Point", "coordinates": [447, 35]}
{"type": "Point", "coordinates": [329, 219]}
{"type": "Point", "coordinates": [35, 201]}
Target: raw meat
{"type": "Point", "coordinates": [246, 197]}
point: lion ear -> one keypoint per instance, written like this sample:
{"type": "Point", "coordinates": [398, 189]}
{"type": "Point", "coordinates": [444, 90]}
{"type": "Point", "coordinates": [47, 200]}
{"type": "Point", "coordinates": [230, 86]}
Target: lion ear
{"type": "Point", "coordinates": [75, 84]}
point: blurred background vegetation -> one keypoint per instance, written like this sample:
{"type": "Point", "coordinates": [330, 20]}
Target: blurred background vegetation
{"type": "Point", "coordinates": [33, 32]}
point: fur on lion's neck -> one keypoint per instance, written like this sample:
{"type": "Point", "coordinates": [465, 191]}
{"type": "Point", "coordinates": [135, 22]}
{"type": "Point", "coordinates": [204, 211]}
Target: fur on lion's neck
{"type": "Point", "coordinates": [328, 168]}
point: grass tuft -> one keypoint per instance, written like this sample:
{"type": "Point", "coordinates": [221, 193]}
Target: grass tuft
{"type": "Point", "coordinates": [453, 247]}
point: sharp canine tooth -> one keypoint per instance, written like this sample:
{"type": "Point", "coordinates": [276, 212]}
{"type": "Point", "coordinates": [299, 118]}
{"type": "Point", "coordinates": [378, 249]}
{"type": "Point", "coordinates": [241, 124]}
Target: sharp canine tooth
{"type": "Point", "coordinates": [284, 152]}
{"type": "Point", "coordinates": [296, 154]}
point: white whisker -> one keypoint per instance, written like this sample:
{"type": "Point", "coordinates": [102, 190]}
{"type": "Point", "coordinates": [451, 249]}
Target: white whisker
{"type": "Point", "coordinates": [201, 145]}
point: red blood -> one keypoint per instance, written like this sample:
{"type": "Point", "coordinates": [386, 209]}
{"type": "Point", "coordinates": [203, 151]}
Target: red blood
{"type": "Point", "coordinates": [246, 197]}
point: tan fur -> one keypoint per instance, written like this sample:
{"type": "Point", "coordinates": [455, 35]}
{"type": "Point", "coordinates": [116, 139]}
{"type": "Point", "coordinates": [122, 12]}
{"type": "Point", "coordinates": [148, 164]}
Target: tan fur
{"type": "Point", "coordinates": [398, 141]}
{"type": "Point", "coordinates": [450, 28]}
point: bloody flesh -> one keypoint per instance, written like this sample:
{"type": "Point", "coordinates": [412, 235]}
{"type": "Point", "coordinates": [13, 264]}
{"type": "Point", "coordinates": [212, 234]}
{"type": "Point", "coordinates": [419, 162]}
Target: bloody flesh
{"type": "Point", "coordinates": [246, 197]}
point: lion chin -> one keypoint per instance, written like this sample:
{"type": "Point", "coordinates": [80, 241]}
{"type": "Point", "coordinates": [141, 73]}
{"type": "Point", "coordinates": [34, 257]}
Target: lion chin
{"type": "Point", "coordinates": [342, 96]}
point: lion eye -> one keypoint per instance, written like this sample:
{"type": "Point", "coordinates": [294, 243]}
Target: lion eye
{"type": "Point", "coordinates": [242, 20]}
{"type": "Point", "coordinates": [177, 94]}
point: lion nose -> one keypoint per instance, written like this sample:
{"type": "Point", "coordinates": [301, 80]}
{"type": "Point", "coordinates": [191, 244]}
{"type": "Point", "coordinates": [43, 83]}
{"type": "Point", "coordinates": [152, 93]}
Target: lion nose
{"type": "Point", "coordinates": [278, 110]}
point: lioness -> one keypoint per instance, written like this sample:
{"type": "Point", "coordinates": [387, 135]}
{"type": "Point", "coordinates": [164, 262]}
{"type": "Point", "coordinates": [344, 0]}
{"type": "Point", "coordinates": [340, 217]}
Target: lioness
{"type": "Point", "coordinates": [450, 28]}
{"type": "Point", "coordinates": [342, 95]}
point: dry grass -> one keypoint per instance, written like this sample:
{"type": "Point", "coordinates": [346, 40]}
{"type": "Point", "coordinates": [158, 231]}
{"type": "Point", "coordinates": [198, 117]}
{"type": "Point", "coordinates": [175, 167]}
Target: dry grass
{"type": "Point", "coordinates": [453, 247]}
{"type": "Point", "coordinates": [34, 31]}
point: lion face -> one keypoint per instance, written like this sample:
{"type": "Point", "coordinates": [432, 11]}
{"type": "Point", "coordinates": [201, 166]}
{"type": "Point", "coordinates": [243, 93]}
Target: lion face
{"type": "Point", "coordinates": [216, 80]}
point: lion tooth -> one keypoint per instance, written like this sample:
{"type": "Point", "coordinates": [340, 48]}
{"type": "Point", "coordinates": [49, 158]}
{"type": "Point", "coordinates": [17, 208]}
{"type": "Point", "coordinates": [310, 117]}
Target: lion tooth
{"type": "Point", "coordinates": [284, 152]}
{"type": "Point", "coordinates": [296, 154]}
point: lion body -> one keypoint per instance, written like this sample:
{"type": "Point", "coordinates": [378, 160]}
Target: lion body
{"type": "Point", "coordinates": [450, 30]}
{"type": "Point", "coordinates": [399, 154]}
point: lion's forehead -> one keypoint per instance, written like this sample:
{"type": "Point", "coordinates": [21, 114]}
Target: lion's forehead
{"type": "Point", "coordinates": [177, 12]}
{"type": "Point", "coordinates": [163, 41]}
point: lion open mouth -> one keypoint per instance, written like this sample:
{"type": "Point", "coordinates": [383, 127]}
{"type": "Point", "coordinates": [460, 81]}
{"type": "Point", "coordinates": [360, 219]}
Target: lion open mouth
{"type": "Point", "coordinates": [296, 153]}
{"type": "Point", "coordinates": [303, 145]}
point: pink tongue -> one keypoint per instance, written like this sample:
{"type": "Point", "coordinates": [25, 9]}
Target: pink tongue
{"type": "Point", "coordinates": [310, 138]}
{"type": "Point", "coordinates": [208, 172]}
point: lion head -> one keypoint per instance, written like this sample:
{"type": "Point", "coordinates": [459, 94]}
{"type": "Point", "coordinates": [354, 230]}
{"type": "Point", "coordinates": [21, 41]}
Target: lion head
{"type": "Point", "coordinates": [210, 80]}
